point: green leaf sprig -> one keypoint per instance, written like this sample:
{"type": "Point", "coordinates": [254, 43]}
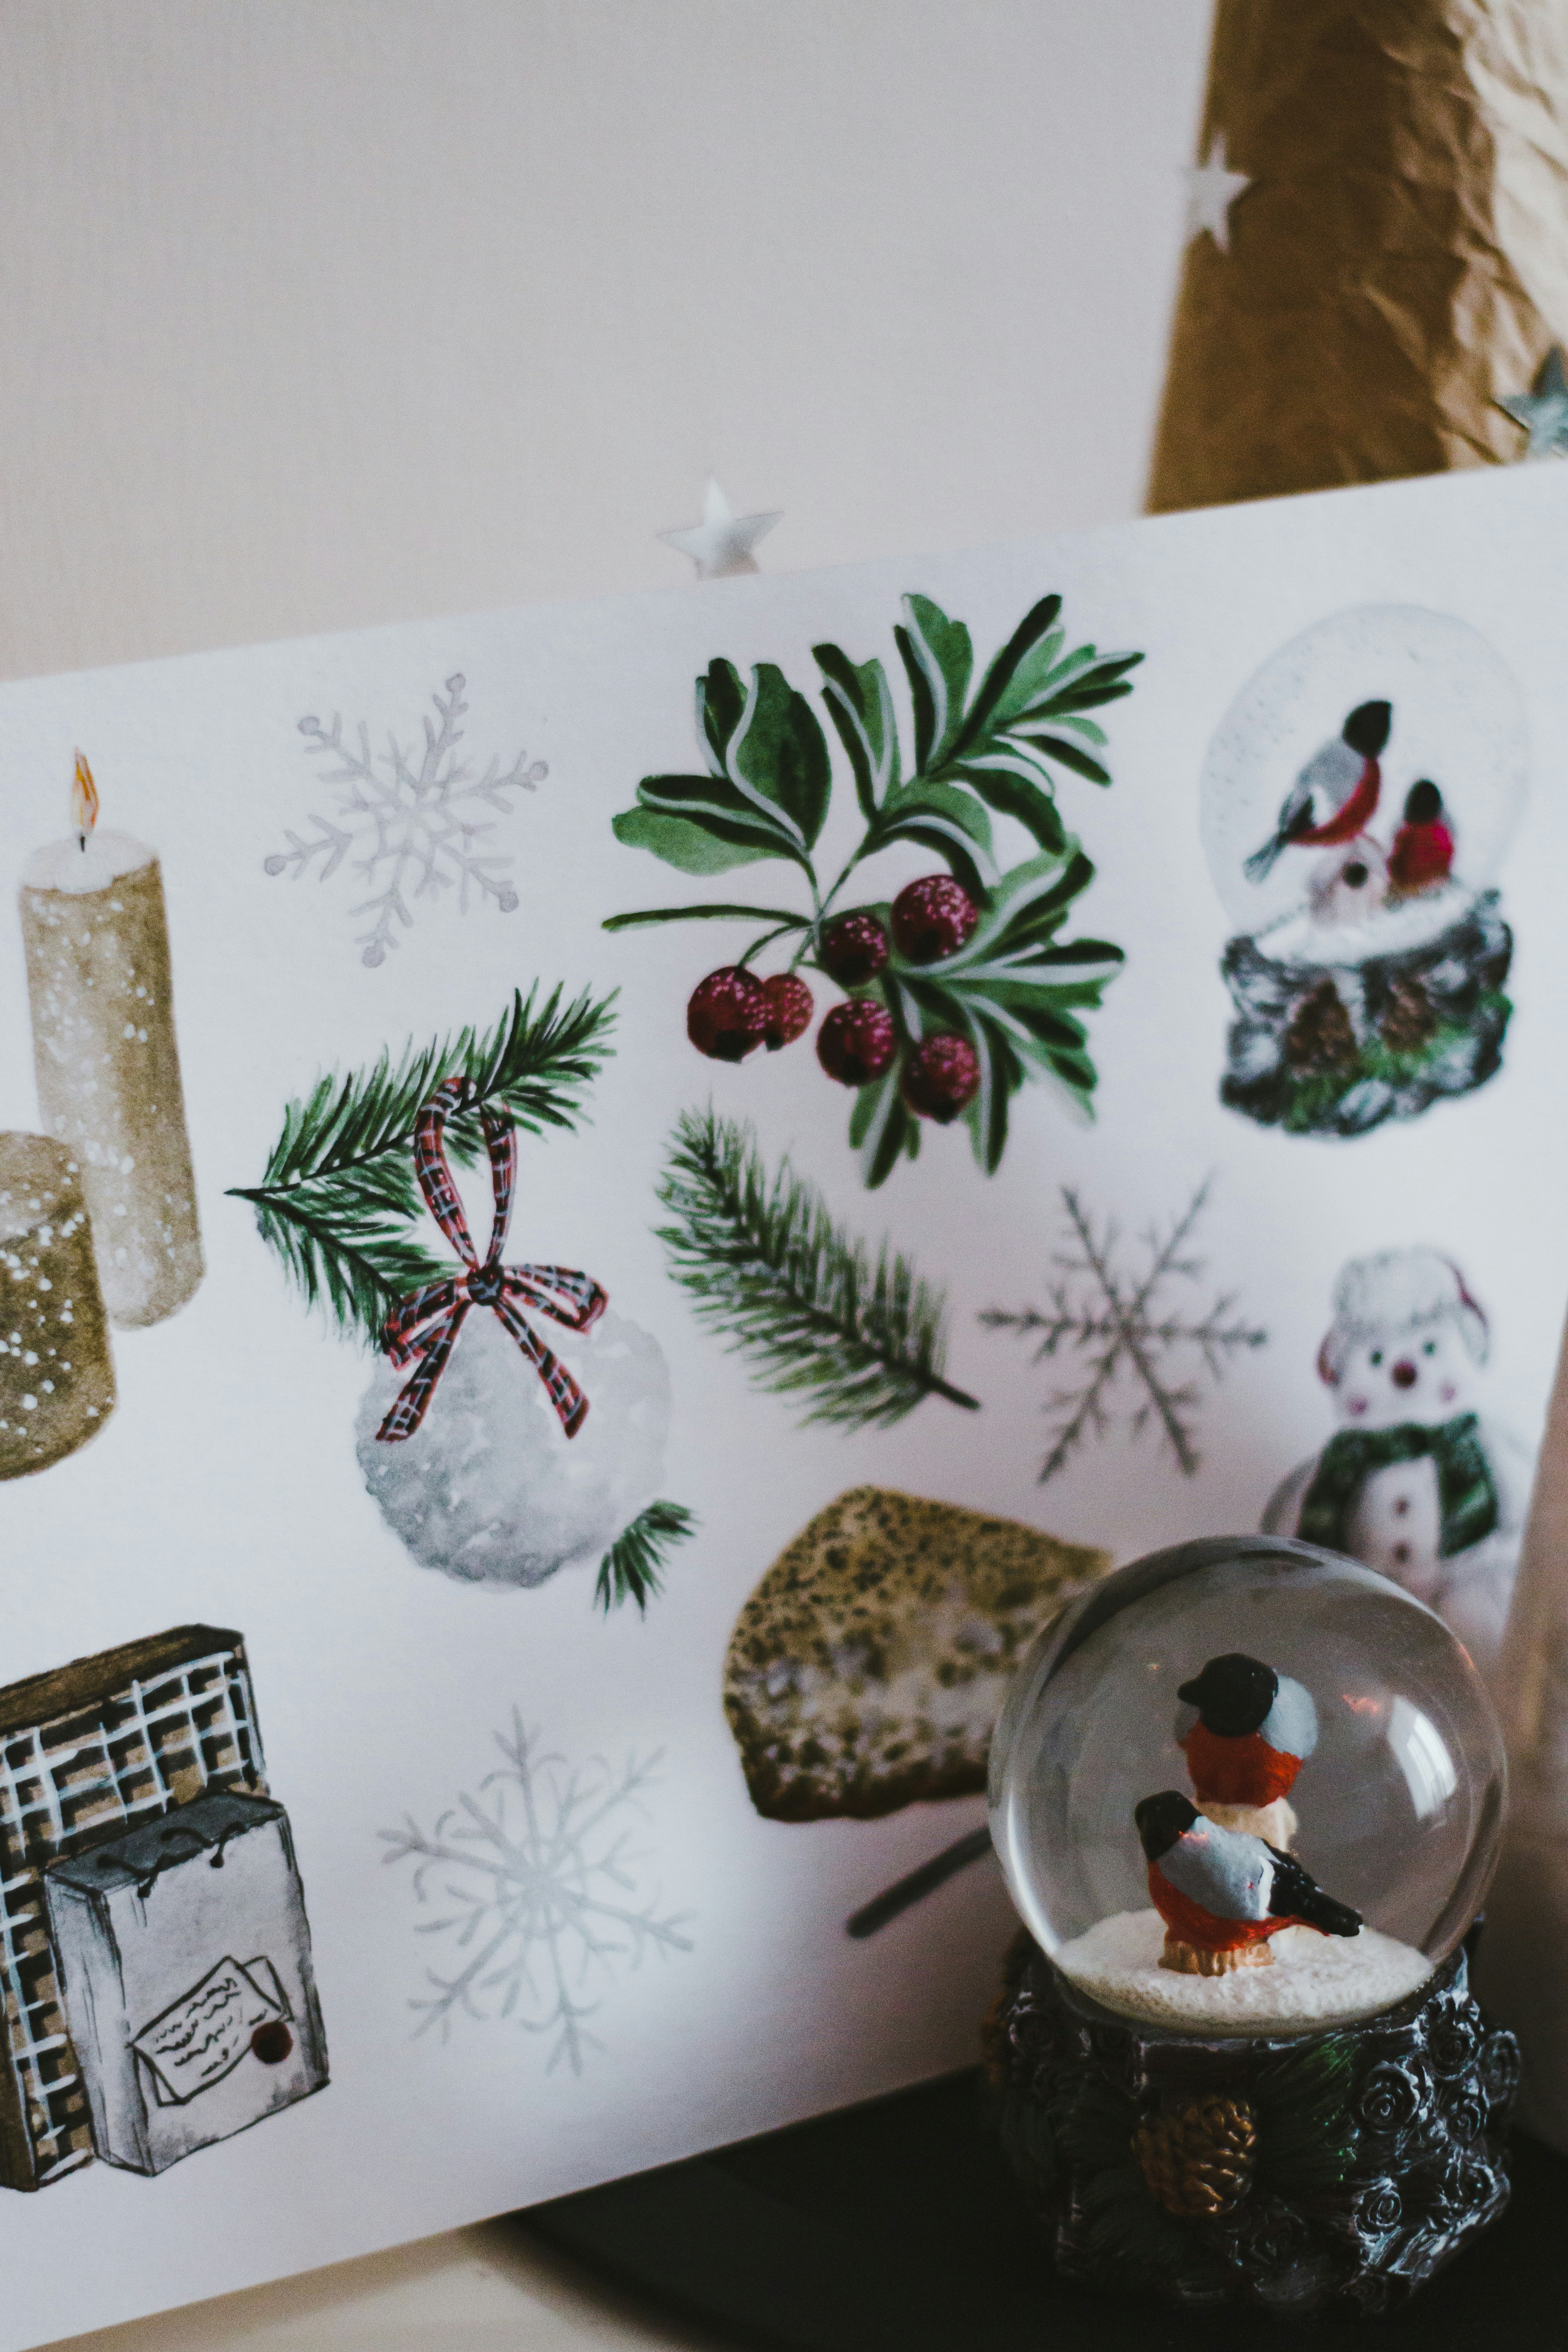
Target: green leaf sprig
{"type": "Point", "coordinates": [1016, 990]}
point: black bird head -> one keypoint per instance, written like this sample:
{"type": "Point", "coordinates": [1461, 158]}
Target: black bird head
{"type": "Point", "coordinates": [1232, 1695]}
{"type": "Point", "coordinates": [1422, 802]}
{"type": "Point", "coordinates": [1162, 1820]}
{"type": "Point", "coordinates": [1366, 728]}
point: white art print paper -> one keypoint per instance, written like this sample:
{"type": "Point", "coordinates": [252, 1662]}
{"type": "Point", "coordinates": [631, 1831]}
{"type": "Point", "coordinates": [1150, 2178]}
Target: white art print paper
{"type": "Point", "coordinates": [576, 1417]}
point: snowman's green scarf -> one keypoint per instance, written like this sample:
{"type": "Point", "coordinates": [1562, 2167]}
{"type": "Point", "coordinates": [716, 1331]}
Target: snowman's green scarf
{"type": "Point", "coordinates": [1466, 1494]}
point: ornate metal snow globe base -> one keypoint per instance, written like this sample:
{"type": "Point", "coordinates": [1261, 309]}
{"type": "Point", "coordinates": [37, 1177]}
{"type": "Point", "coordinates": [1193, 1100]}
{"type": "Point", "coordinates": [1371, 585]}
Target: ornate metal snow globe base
{"type": "Point", "coordinates": [1248, 1796]}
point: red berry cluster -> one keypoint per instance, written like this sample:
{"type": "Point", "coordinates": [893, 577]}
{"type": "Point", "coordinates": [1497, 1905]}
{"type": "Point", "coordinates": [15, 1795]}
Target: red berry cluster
{"type": "Point", "coordinates": [733, 1011]}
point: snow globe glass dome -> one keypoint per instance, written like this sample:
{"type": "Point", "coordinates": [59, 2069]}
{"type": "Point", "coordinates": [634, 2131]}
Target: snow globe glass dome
{"type": "Point", "coordinates": [1396, 1791]}
{"type": "Point", "coordinates": [1247, 1796]}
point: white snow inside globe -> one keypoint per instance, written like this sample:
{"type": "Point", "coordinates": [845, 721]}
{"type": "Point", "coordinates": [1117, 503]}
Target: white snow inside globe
{"type": "Point", "coordinates": [1245, 1787]}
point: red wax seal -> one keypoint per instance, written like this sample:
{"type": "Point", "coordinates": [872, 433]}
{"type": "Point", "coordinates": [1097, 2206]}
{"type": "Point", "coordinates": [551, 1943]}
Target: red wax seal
{"type": "Point", "coordinates": [272, 2041]}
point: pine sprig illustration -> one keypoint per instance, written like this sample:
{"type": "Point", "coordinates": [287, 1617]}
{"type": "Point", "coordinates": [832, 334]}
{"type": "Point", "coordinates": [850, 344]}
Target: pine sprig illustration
{"type": "Point", "coordinates": [1114, 1322]}
{"type": "Point", "coordinates": [633, 1568]}
{"type": "Point", "coordinates": [858, 1340]}
{"type": "Point", "coordinates": [339, 1201]}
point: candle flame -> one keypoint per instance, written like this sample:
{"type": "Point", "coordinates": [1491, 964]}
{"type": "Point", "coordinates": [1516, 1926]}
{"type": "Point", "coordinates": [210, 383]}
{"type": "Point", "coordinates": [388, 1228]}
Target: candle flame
{"type": "Point", "coordinates": [84, 799]}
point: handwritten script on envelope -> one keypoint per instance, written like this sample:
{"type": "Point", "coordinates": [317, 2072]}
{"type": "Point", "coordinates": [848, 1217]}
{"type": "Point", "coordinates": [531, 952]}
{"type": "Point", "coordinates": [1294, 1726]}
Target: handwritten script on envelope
{"type": "Point", "coordinates": [203, 2036]}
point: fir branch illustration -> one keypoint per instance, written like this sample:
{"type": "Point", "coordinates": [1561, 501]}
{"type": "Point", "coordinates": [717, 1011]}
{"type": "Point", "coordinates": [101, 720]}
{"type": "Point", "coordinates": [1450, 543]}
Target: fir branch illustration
{"type": "Point", "coordinates": [860, 1341]}
{"type": "Point", "coordinates": [339, 1201]}
{"type": "Point", "coordinates": [633, 1568]}
{"type": "Point", "coordinates": [1118, 1323]}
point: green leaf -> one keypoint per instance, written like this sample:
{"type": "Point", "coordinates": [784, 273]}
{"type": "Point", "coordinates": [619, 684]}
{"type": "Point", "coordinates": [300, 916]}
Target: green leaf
{"type": "Point", "coordinates": [1024, 908]}
{"type": "Point", "coordinates": [691, 847]}
{"type": "Point", "coordinates": [1000, 1077]}
{"type": "Point", "coordinates": [857, 1339]}
{"type": "Point", "coordinates": [706, 914]}
{"type": "Point", "coordinates": [722, 808]}
{"type": "Point", "coordinates": [938, 656]}
{"type": "Point", "coordinates": [339, 1201]}
{"type": "Point", "coordinates": [943, 817]}
{"type": "Point", "coordinates": [1030, 680]}
{"type": "Point", "coordinates": [882, 1129]}
{"type": "Point", "coordinates": [720, 699]}
{"type": "Point", "coordinates": [1105, 681]}
{"type": "Point", "coordinates": [1011, 794]}
{"type": "Point", "coordinates": [860, 705]}
{"type": "Point", "coordinates": [1070, 755]}
{"type": "Point", "coordinates": [777, 754]}
{"type": "Point", "coordinates": [1026, 638]}
{"type": "Point", "coordinates": [633, 1568]}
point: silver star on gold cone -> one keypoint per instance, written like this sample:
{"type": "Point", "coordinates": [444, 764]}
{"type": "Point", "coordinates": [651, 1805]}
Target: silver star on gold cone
{"type": "Point", "coordinates": [1543, 410]}
{"type": "Point", "coordinates": [1212, 189]}
{"type": "Point", "coordinates": [722, 544]}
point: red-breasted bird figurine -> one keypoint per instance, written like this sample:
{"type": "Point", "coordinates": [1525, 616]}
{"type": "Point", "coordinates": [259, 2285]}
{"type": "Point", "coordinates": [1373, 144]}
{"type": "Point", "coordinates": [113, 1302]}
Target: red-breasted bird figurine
{"type": "Point", "coordinates": [1245, 1732]}
{"type": "Point", "coordinates": [1222, 1893]}
{"type": "Point", "coordinates": [1335, 795]}
{"type": "Point", "coordinates": [1422, 855]}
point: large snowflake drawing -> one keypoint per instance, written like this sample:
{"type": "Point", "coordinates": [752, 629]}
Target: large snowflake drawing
{"type": "Point", "coordinates": [415, 818]}
{"type": "Point", "coordinates": [545, 1893]}
{"type": "Point", "coordinates": [1125, 1340]}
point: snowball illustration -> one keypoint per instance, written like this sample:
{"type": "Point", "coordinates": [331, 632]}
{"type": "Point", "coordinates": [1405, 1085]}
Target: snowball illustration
{"type": "Point", "coordinates": [489, 1489]}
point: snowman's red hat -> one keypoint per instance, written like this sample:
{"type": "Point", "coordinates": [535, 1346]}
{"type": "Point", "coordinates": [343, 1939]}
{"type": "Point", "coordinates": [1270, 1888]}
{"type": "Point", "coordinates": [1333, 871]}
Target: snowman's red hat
{"type": "Point", "coordinates": [1396, 1293]}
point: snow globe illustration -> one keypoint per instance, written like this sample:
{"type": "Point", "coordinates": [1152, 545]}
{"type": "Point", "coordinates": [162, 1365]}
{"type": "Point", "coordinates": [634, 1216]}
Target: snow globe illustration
{"type": "Point", "coordinates": [1357, 800]}
{"type": "Point", "coordinates": [1247, 1796]}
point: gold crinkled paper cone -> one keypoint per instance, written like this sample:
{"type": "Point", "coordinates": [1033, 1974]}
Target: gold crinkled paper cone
{"type": "Point", "coordinates": [1398, 261]}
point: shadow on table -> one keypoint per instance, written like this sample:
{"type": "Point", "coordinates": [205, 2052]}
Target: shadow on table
{"type": "Point", "coordinates": [896, 2227]}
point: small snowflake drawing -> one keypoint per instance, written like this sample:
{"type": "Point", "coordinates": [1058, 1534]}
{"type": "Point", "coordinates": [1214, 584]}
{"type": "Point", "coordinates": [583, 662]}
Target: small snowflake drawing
{"type": "Point", "coordinates": [411, 823]}
{"type": "Point", "coordinates": [1124, 1337]}
{"type": "Point", "coordinates": [546, 1894]}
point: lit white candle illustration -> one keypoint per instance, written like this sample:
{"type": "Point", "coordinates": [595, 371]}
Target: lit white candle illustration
{"type": "Point", "coordinates": [97, 941]}
{"type": "Point", "coordinates": [57, 1380]}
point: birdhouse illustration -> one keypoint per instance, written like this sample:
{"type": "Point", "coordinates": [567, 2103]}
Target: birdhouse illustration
{"type": "Point", "coordinates": [1419, 1479]}
{"type": "Point", "coordinates": [1357, 800]}
{"type": "Point", "coordinates": [1247, 1796]}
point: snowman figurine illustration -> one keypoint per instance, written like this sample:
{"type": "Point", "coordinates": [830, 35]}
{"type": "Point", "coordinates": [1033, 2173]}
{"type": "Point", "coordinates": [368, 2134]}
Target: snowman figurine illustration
{"type": "Point", "coordinates": [1417, 1481]}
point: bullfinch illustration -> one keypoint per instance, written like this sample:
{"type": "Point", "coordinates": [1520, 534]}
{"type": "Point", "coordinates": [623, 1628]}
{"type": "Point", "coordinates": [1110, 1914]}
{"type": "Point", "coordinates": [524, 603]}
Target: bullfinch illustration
{"type": "Point", "coordinates": [1422, 855]}
{"type": "Point", "coordinates": [1222, 1893]}
{"type": "Point", "coordinates": [1245, 1731]}
{"type": "Point", "coordinates": [1335, 795]}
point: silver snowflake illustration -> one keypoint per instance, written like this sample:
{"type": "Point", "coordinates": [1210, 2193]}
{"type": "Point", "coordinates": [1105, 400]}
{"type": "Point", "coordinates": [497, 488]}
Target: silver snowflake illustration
{"type": "Point", "coordinates": [415, 820]}
{"type": "Point", "coordinates": [1125, 1338]}
{"type": "Point", "coordinates": [545, 1890]}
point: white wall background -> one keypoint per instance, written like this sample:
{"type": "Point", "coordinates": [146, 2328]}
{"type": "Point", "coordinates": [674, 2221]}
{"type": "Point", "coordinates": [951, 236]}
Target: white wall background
{"type": "Point", "coordinates": [324, 312]}
{"type": "Point", "coordinates": [319, 312]}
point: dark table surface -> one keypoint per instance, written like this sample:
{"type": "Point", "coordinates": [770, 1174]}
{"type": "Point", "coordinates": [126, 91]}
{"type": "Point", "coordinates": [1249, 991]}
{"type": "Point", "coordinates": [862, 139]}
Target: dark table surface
{"type": "Point", "coordinates": [896, 2227]}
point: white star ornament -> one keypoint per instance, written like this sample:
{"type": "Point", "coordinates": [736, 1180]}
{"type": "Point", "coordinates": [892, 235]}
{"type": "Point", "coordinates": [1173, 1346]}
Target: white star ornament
{"type": "Point", "coordinates": [722, 544]}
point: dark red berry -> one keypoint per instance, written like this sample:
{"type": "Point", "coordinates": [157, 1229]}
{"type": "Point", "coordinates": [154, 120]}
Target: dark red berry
{"type": "Point", "coordinates": [789, 1009]}
{"type": "Point", "coordinates": [856, 1042]}
{"type": "Point", "coordinates": [853, 950]}
{"type": "Point", "coordinates": [729, 1014]}
{"type": "Point", "coordinates": [942, 1076]}
{"type": "Point", "coordinates": [932, 917]}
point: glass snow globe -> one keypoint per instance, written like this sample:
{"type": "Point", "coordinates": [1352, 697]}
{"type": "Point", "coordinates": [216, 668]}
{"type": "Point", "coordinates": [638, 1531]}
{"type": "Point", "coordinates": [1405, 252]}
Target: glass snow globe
{"type": "Point", "coordinates": [1247, 1796]}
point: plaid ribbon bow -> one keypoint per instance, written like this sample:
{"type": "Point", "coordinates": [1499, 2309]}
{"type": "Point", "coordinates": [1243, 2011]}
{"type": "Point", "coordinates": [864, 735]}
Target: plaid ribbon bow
{"type": "Point", "coordinates": [422, 1329]}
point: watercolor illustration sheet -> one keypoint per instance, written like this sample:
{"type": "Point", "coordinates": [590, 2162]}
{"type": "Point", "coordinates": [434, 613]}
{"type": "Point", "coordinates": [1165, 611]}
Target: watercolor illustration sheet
{"type": "Point", "coordinates": [602, 1208]}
